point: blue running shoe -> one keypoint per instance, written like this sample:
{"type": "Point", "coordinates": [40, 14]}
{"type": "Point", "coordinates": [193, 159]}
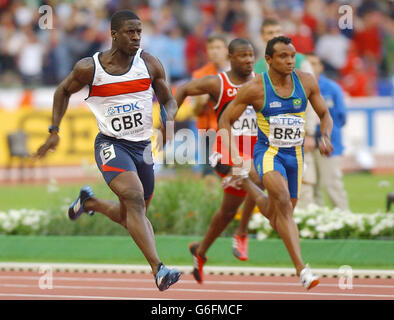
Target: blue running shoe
{"type": "Point", "coordinates": [76, 209]}
{"type": "Point", "coordinates": [166, 277]}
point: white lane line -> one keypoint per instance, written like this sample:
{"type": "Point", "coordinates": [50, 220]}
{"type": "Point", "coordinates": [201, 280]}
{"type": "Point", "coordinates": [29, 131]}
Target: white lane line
{"type": "Point", "coordinates": [52, 296]}
{"type": "Point", "coordinates": [211, 291]}
{"type": "Point", "coordinates": [224, 282]}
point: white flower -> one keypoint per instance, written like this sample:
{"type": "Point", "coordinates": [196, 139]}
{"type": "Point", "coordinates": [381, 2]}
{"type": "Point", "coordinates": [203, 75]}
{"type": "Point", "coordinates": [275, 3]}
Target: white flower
{"type": "Point", "coordinates": [8, 226]}
{"type": "Point", "coordinates": [261, 235]}
{"type": "Point", "coordinates": [297, 220]}
{"type": "Point", "coordinates": [322, 221]}
{"type": "Point", "coordinates": [306, 233]}
{"type": "Point", "coordinates": [311, 222]}
{"type": "Point", "coordinates": [14, 215]}
{"type": "Point", "coordinates": [320, 235]}
{"type": "Point", "coordinates": [256, 221]}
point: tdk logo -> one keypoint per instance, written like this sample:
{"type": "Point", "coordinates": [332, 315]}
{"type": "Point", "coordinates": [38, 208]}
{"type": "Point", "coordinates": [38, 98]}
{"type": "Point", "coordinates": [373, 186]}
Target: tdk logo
{"type": "Point", "coordinates": [287, 121]}
{"type": "Point", "coordinates": [123, 109]}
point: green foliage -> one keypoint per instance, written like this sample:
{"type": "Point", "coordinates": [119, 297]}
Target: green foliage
{"type": "Point", "coordinates": [183, 205]}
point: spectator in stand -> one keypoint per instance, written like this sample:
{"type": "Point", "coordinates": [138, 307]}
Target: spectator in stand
{"type": "Point", "coordinates": [216, 46]}
{"type": "Point", "coordinates": [355, 79]}
{"type": "Point", "coordinates": [176, 55]}
{"type": "Point", "coordinates": [332, 49]}
{"type": "Point", "coordinates": [301, 36]}
{"type": "Point", "coordinates": [369, 41]}
{"type": "Point", "coordinates": [30, 59]}
{"type": "Point", "coordinates": [195, 48]}
{"type": "Point", "coordinates": [83, 28]}
{"type": "Point", "coordinates": [325, 172]}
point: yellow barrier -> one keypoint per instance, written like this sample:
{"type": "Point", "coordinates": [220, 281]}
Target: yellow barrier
{"type": "Point", "coordinates": [77, 132]}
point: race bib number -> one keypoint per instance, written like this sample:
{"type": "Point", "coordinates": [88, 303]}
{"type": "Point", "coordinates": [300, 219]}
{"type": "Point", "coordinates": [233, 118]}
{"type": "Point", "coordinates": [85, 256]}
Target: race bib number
{"type": "Point", "coordinates": [107, 154]}
{"type": "Point", "coordinates": [125, 119]}
{"type": "Point", "coordinates": [286, 131]}
{"type": "Point", "coordinates": [246, 124]}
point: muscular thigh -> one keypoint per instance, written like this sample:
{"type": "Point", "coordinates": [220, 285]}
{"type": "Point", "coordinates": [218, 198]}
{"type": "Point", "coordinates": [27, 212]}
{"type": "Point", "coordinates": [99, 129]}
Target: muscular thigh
{"type": "Point", "coordinates": [114, 157]}
{"type": "Point", "coordinates": [287, 163]}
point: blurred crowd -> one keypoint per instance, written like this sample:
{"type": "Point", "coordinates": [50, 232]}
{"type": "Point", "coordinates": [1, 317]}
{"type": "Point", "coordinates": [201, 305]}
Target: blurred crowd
{"type": "Point", "coordinates": [361, 59]}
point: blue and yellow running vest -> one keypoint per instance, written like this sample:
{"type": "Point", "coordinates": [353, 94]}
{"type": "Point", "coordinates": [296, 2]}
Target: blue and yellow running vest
{"type": "Point", "coordinates": [281, 120]}
{"type": "Point", "coordinates": [281, 123]}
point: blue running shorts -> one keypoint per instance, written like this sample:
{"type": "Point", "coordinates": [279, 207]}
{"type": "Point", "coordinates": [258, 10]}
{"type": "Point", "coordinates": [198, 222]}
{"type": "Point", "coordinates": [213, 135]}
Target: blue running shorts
{"type": "Point", "coordinates": [114, 156]}
{"type": "Point", "coordinates": [288, 161]}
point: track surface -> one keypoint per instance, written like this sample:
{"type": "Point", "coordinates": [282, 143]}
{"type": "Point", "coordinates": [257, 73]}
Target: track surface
{"type": "Point", "coordinates": [15, 285]}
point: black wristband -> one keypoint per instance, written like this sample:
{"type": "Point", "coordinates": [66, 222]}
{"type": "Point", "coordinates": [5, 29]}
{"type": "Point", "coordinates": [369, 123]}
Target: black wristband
{"type": "Point", "coordinates": [53, 128]}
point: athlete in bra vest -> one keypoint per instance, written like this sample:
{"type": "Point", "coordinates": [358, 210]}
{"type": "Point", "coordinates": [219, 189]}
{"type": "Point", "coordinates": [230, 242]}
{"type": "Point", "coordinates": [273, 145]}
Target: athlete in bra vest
{"type": "Point", "coordinates": [121, 81]}
{"type": "Point", "coordinates": [279, 98]}
{"type": "Point", "coordinates": [222, 89]}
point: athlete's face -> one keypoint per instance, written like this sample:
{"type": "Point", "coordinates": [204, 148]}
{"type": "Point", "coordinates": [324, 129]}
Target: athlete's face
{"type": "Point", "coordinates": [283, 59]}
{"type": "Point", "coordinates": [242, 60]}
{"type": "Point", "coordinates": [217, 51]}
{"type": "Point", "coordinates": [128, 37]}
{"type": "Point", "coordinates": [271, 31]}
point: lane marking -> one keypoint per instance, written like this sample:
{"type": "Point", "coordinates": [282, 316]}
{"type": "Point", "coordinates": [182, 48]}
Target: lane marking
{"type": "Point", "coordinates": [224, 282]}
{"type": "Point", "coordinates": [211, 291]}
{"type": "Point", "coordinates": [26, 295]}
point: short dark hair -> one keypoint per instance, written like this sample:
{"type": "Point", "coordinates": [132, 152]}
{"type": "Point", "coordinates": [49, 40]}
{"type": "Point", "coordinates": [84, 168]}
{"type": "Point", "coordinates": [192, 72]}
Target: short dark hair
{"type": "Point", "coordinates": [236, 43]}
{"type": "Point", "coordinates": [269, 22]}
{"type": "Point", "coordinates": [269, 50]}
{"type": "Point", "coordinates": [119, 16]}
{"type": "Point", "coordinates": [217, 36]}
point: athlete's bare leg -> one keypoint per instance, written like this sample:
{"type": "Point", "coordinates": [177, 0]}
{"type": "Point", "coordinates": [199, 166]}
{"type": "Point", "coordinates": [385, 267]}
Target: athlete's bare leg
{"type": "Point", "coordinates": [109, 208]}
{"type": "Point", "coordinates": [220, 221]}
{"type": "Point", "coordinates": [278, 209]}
{"type": "Point", "coordinates": [281, 209]}
{"type": "Point", "coordinates": [250, 201]}
{"type": "Point", "coordinates": [247, 211]}
{"type": "Point", "coordinates": [130, 212]}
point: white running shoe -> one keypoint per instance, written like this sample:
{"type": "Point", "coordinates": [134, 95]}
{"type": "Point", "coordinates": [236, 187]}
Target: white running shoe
{"type": "Point", "coordinates": [308, 279]}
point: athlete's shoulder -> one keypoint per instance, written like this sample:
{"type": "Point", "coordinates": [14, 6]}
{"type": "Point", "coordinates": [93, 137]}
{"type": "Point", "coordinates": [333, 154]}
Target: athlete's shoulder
{"type": "Point", "coordinates": [153, 64]}
{"type": "Point", "coordinates": [85, 64]}
{"type": "Point", "coordinates": [254, 87]}
{"type": "Point", "coordinates": [305, 77]}
{"type": "Point", "coordinates": [84, 70]}
{"type": "Point", "coordinates": [147, 56]}
{"type": "Point", "coordinates": [150, 59]}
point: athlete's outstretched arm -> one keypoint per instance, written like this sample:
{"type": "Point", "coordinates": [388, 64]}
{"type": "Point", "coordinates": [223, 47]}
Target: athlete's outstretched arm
{"type": "Point", "coordinates": [79, 77]}
{"type": "Point", "coordinates": [206, 85]}
{"type": "Point", "coordinates": [322, 111]}
{"type": "Point", "coordinates": [249, 94]}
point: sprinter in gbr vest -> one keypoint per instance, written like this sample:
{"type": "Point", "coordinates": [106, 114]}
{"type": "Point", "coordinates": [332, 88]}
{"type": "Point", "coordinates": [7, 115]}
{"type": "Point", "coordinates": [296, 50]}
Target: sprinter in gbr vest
{"type": "Point", "coordinates": [279, 96]}
{"type": "Point", "coordinates": [121, 80]}
{"type": "Point", "coordinates": [222, 89]}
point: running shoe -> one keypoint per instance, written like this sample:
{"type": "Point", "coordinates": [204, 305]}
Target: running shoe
{"type": "Point", "coordinates": [76, 209]}
{"type": "Point", "coordinates": [165, 277]}
{"type": "Point", "coordinates": [308, 279]}
{"type": "Point", "coordinates": [198, 262]}
{"type": "Point", "coordinates": [240, 246]}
